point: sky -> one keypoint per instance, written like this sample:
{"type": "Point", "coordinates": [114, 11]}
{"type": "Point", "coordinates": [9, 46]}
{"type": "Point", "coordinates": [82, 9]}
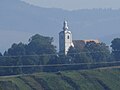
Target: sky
{"type": "Point", "coordinates": [76, 4]}
{"type": "Point", "coordinates": [64, 4]}
{"type": "Point", "coordinates": [11, 37]}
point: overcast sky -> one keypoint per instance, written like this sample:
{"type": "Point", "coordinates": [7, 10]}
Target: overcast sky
{"type": "Point", "coordinates": [76, 4]}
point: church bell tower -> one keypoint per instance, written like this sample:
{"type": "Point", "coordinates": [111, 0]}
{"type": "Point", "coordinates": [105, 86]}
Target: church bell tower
{"type": "Point", "coordinates": [65, 39]}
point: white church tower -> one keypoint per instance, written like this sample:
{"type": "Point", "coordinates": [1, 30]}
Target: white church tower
{"type": "Point", "coordinates": [65, 39]}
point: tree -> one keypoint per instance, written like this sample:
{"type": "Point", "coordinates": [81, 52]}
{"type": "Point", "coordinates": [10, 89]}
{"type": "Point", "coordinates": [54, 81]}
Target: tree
{"type": "Point", "coordinates": [33, 53]}
{"type": "Point", "coordinates": [116, 48]}
{"type": "Point", "coordinates": [0, 54]}
{"type": "Point", "coordinates": [98, 51]}
{"type": "Point", "coordinates": [16, 50]}
{"type": "Point", "coordinates": [40, 45]}
{"type": "Point", "coordinates": [78, 55]}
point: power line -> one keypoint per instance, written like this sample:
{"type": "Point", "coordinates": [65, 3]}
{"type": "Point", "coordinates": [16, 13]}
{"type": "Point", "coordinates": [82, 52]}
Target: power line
{"type": "Point", "coordinates": [57, 54]}
{"type": "Point", "coordinates": [55, 65]}
{"type": "Point", "coordinates": [99, 68]}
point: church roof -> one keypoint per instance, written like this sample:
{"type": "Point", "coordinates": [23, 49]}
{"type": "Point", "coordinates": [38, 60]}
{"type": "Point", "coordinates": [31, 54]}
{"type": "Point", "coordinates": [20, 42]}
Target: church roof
{"type": "Point", "coordinates": [78, 43]}
{"type": "Point", "coordinates": [81, 43]}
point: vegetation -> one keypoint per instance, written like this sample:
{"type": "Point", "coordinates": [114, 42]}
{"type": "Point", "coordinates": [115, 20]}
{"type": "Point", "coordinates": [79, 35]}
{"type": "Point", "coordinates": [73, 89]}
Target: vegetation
{"type": "Point", "coordinates": [41, 51]}
{"type": "Point", "coordinates": [116, 49]}
{"type": "Point", "coordinates": [36, 52]}
{"type": "Point", "coordinates": [37, 45]}
{"type": "Point", "coordinates": [90, 52]}
{"type": "Point", "coordinates": [67, 80]}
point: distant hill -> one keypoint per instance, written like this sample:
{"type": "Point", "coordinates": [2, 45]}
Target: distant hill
{"type": "Point", "coordinates": [18, 16]}
{"type": "Point", "coordinates": [67, 80]}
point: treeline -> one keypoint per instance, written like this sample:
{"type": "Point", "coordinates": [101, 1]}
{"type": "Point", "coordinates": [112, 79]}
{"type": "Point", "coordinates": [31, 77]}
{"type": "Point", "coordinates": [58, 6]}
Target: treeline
{"type": "Point", "coordinates": [41, 51]}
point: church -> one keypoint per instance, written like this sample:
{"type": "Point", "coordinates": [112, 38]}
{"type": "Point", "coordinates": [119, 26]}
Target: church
{"type": "Point", "coordinates": [65, 40]}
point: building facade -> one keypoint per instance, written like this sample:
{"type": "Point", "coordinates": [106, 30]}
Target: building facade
{"type": "Point", "coordinates": [65, 39]}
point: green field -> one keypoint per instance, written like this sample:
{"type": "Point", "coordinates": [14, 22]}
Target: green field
{"type": "Point", "coordinates": [108, 79]}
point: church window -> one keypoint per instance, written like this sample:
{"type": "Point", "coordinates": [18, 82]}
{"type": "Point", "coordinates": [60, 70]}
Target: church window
{"type": "Point", "coordinates": [68, 37]}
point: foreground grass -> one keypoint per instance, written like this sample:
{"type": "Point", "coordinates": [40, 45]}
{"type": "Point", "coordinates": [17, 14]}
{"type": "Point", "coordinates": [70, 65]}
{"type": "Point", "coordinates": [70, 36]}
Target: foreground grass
{"type": "Point", "coordinates": [108, 79]}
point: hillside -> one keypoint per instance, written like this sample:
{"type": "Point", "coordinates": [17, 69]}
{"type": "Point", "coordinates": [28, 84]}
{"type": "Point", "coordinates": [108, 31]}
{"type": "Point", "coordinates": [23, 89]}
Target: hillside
{"type": "Point", "coordinates": [21, 20]}
{"type": "Point", "coordinates": [69, 80]}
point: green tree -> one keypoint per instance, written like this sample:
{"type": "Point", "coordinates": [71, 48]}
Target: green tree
{"type": "Point", "coordinates": [78, 55]}
{"type": "Point", "coordinates": [116, 48]}
{"type": "Point", "coordinates": [98, 51]}
{"type": "Point", "coordinates": [36, 52]}
{"type": "Point", "coordinates": [40, 45]}
{"type": "Point", "coordinates": [16, 50]}
{"type": "Point", "coordinates": [0, 54]}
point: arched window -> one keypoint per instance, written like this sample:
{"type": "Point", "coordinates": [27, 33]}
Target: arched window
{"type": "Point", "coordinates": [68, 37]}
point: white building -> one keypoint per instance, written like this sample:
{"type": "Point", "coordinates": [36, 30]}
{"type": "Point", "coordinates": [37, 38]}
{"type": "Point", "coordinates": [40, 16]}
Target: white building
{"type": "Point", "coordinates": [65, 39]}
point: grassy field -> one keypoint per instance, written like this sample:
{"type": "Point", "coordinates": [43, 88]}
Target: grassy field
{"type": "Point", "coordinates": [108, 79]}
